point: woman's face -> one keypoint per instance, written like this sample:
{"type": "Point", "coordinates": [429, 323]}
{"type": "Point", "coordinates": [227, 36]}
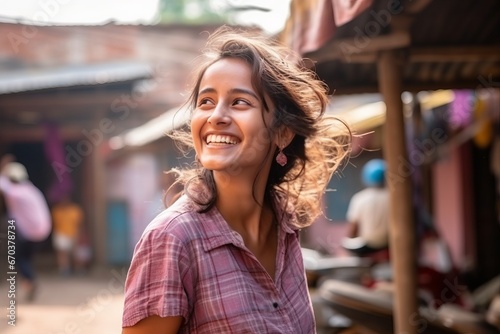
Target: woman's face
{"type": "Point", "coordinates": [228, 126]}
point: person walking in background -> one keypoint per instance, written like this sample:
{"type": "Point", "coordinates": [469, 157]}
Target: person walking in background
{"type": "Point", "coordinates": [225, 257]}
{"type": "Point", "coordinates": [368, 212]}
{"type": "Point", "coordinates": [28, 209]}
{"type": "Point", "coordinates": [67, 217]}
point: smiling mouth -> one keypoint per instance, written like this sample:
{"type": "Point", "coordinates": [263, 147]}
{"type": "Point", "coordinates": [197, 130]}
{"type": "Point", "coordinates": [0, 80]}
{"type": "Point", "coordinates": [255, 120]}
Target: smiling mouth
{"type": "Point", "coordinates": [221, 140]}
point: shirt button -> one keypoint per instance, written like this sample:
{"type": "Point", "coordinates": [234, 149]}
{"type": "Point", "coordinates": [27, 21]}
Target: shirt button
{"type": "Point", "coordinates": [275, 305]}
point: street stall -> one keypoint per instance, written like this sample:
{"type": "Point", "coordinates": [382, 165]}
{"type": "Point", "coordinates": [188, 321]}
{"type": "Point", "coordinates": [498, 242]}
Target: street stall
{"type": "Point", "coordinates": [393, 47]}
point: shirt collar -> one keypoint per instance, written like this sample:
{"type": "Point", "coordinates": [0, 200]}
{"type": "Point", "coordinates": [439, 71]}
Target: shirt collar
{"type": "Point", "coordinates": [218, 232]}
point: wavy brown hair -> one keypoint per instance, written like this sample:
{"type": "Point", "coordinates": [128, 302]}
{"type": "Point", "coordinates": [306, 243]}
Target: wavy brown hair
{"type": "Point", "coordinates": [320, 143]}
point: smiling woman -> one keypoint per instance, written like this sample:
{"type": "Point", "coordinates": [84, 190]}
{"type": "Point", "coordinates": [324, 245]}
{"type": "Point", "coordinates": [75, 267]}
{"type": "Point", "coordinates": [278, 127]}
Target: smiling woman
{"type": "Point", "coordinates": [225, 256]}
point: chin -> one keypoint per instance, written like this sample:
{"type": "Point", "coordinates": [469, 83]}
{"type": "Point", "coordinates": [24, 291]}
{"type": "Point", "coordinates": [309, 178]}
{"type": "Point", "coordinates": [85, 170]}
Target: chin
{"type": "Point", "coordinates": [214, 165]}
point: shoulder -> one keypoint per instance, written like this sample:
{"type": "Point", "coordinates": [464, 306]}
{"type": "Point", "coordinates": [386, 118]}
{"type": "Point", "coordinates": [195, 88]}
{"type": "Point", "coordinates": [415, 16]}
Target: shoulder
{"type": "Point", "coordinates": [365, 193]}
{"type": "Point", "coordinates": [180, 221]}
{"type": "Point", "coordinates": [377, 192]}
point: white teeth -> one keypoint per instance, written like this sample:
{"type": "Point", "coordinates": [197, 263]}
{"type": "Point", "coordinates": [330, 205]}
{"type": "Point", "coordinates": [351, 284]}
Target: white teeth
{"type": "Point", "coordinates": [221, 139]}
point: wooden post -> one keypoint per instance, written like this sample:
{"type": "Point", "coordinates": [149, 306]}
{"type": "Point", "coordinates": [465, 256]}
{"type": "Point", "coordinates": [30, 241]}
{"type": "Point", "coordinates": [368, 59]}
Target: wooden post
{"type": "Point", "coordinates": [98, 202]}
{"type": "Point", "coordinates": [402, 230]}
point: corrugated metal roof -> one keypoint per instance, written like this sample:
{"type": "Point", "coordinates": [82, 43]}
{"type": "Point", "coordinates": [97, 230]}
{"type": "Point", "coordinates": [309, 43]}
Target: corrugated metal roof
{"type": "Point", "coordinates": [154, 129]}
{"type": "Point", "coordinates": [76, 75]}
{"type": "Point", "coordinates": [444, 44]}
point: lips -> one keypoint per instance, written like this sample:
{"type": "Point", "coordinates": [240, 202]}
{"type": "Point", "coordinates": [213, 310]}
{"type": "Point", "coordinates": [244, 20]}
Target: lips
{"type": "Point", "coordinates": [213, 139]}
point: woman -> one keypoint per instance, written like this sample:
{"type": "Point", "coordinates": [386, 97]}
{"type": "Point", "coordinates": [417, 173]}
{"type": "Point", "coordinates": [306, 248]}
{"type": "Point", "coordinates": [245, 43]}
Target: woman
{"type": "Point", "coordinates": [225, 257]}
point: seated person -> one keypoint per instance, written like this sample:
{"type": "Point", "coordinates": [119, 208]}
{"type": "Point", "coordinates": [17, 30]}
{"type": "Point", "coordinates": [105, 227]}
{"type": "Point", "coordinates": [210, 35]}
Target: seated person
{"type": "Point", "coordinates": [368, 212]}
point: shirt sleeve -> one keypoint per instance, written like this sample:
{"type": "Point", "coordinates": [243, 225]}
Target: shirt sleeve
{"type": "Point", "coordinates": [156, 279]}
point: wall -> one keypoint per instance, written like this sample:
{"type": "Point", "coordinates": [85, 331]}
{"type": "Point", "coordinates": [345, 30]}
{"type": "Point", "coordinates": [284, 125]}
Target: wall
{"type": "Point", "coordinates": [451, 211]}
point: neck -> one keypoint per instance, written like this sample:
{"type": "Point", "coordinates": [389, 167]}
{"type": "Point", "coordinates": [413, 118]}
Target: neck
{"type": "Point", "coordinates": [240, 201]}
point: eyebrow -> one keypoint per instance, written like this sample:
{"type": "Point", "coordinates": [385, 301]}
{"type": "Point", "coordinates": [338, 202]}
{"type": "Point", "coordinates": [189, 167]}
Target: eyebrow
{"type": "Point", "coordinates": [231, 91]}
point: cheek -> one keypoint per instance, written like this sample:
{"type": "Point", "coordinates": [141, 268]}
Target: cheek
{"type": "Point", "coordinates": [261, 135]}
{"type": "Point", "coordinates": [260, 141]}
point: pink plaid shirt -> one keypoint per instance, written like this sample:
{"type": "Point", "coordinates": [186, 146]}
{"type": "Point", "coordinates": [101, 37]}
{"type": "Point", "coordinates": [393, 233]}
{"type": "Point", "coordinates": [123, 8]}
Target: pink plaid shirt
{"type": "Point", "coordinates": [194, 265]}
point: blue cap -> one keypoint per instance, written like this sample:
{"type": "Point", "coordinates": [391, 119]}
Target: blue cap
{"type": "Point", "coordinates": [373, 173]}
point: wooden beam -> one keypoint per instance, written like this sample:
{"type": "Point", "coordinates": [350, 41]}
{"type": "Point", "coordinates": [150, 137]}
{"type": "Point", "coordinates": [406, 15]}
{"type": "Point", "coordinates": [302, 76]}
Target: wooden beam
{"type": "Point", "coordinates": [437, 71]}
{"type": "Point", "coordinates": [471, 83]}
{"type": "Point", "coordinates": [468, 70]}
{"type": "Point", "coordinates": [346, 49]}
{"type": "Point", "coordinates": [363, 58]}
{"type": "Point", "coordinates": [451, 72]}
{"type": "Point", "coordinates": [458, 53]}
{"type": "Point", "coordinates": [82, 99]}
{"type": "Point", "coordinates": [37, 133]}
{"type": "Point", "coordinates": [85, 106]}
{"type": "Point", "coordinates": [487, 68]}
{"type": "Point", "coordinates": [345, 88]}
{"type": "Point", "coordinates": [402, 229]}
{"type": "Point", "coordinates": [424, 72]}
{"type": "Point", "coordinates": [448, 54]}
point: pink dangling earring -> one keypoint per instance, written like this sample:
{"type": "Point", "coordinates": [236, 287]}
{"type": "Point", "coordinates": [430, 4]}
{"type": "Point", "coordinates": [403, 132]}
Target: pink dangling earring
{"type": "Point", "coordinates": [281, 158]}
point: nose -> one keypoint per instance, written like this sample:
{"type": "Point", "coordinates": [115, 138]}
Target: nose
{"type": "Point", "coordinates": [219, 116]}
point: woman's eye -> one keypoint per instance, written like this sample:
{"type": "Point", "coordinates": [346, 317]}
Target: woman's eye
{"type": "Point", "coordinates": [204, 101]}
{"type": "Point", "coordinates": [241, 102]}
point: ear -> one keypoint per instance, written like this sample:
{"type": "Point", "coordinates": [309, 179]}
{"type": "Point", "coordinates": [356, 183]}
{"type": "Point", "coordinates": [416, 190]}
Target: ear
{"type": "Point", "coordinates": [284, 137]}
